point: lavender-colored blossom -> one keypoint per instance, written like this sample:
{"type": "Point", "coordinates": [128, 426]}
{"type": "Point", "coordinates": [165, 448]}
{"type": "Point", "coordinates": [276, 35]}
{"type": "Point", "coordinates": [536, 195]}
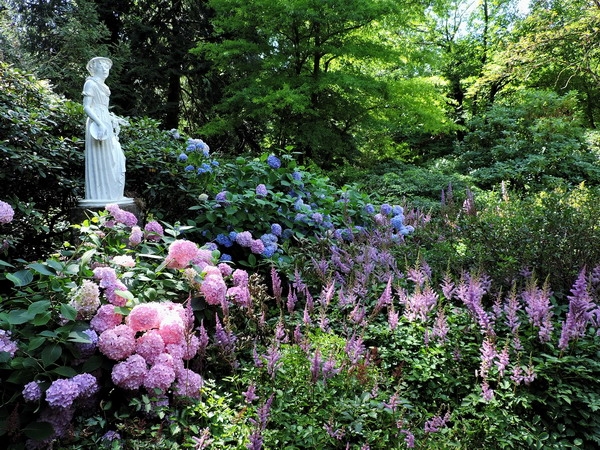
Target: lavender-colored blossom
{"type": "Point", "coordinates": [62, 393]}
{"type": "Point", "coordinates": [221, 197]}
{"type": "Point", "coordinates": [434, 424]}
{"type": "Point", "coordinates": [6, 212]}
{"type": "Point", "coordinates": [32, 391]}
{"type": "Point", "coordinates": [488, 354]}
{"type": "Point", "coordinates": [261, 190]}
{"type": "Point", "coordinates": [486, 392]}
{"type": "Point", "coordinates": [224, 339]}
{"type": "Point", "coordinates": [539, 310]}
{"type": "Point", "coordinates": [503, 361]}
{"type": "Point", "coordinates": [385, 209]}
{"type": "Point", "coordinates": [111, 436]}
{"type": "Point", "coordinates": [7, 344]}
{"type": "Point", "coordinates": [511, 310]}
{"type": "Point", "coordinates": [440, 327]}
{"type": "Point", "coordinates": [256, 441]}
{"type": "Point", "coordinates": [244, 239]}
{"type": "Point", "coordinates": [355, 349]}
{"type": "Point", "coordinates": [315, 367]}
{"type": "Point", "coordinates": [581, 306]}
{"type": "Point", "coordinates": [420, 304]}
{"type": "Point", "coordinates": [250, 394]}
{"type": "Point", "coordinates": [272, 358]}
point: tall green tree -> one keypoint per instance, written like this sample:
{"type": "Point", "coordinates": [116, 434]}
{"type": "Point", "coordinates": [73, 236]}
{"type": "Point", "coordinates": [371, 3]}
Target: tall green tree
{"type": "Point", "coordinates": [306, 75]}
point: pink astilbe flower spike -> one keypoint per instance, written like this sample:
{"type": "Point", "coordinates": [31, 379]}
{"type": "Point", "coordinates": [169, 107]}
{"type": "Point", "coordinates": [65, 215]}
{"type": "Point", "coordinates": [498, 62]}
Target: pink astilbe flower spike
{"type": "Point", "coordinates": [581, 308]}
{"type": "Point", "coordinates": [539, 309]}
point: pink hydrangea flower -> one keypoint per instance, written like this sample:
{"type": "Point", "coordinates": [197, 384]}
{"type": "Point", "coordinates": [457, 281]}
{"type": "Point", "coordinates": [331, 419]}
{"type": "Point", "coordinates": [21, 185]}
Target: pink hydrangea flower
{"type": "Point", "coordinates": [188, 384]}
{"type": "Point", "coordinates": [130, 374]}
{"type": "Point", "coordinates": [203, 258]}
{"type": "Point", "coordinates": [239, 295]}
{"type": "Point", "coordinates": [150, 345]}
{"type": "Point", "coordinates": [144, 317]}
{"type": "Point", "coordinates": [106, 275]}
{"type": "Point", "coordinates": [160, 376]}
{"type": "Point", "coordinates": [257, 246]}
{"type": "Point", "coordinates": [154, 231]}
{"type": "Point", "coordinates": [171, 329]}
{"type": "Point", "coordinates": [117, 343]}
{"type": "Point", "coordinates": [181, 253]}
{"type": "Point", "coordinates": [121, 216]}
{"type": "Point", "coordinates": [240, 277]}
{"type": "Point", "coordinates": [123, 261]}
{"type": "Point", "coordinates": [113, 296]}
{"type": "Point", "coordinates": [105, 319]}
{"type": "Point", "coordinates": [214, 289]}
{"type": "Point", "coordinates": [135, 238]}
{"type": "Point", "coordinates": [225, 269]}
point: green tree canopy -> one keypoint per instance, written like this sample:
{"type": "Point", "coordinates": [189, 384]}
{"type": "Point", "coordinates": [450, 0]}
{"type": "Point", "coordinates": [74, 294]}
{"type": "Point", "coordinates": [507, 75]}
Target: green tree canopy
{"type": "Point", "coordinates": [308, 75]}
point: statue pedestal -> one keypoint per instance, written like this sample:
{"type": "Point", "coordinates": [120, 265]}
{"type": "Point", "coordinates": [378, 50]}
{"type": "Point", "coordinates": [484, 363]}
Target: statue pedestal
{"type": "Point", "coordinates": [81, 212]}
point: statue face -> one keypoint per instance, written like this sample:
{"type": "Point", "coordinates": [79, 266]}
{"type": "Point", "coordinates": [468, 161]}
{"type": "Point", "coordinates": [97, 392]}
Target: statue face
{"type": "Point", "coordinates": [102, 69]}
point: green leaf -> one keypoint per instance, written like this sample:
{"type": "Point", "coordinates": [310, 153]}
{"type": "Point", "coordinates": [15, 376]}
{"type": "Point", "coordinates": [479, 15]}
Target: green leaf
{"type": "Point", "coordinates": [79, 336]}
{"type": "Point", "coordinates": [42, 319]}
{"type": "Point", "coordinates": [125, 294]}
{"type": "Point", "coordinates": [38, 430]}
{"type": "Point", "coordinates": [20, 278]}
{"type": "Point", "coordinates": [4, 263]}
{"type": "Point", "coordinates": [39, 307]}
{"type": "Point", "coordinates": [19, 316]}
{"type": "Point", "coordinates": [85, 258]}
{"type": "Point", "coordinates": [42, 269]}
{"type": "Point", "coordinates": [65, 371]}
{"type": "Point", "coordinates": [68, 312]}
{"type": "Point", "coordinates": [35, 342]}
{"type": "Point", "coordinates": [92, 363]}
{"type": "Point", "coordinates": [51, 353]}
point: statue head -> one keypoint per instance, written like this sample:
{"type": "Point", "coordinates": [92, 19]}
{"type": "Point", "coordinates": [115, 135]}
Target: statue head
{"type": "Point", "coordinates": [94, 62]}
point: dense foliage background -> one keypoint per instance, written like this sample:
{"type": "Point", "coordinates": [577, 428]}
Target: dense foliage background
{"type": "Point", "coordinates": [370, 224]}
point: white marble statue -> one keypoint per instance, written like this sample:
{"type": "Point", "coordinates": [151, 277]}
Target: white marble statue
{"type": "Point", "coordinates": [104, 157]}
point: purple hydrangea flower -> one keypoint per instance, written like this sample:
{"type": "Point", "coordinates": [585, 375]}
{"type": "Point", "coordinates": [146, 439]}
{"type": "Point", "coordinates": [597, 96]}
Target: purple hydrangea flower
{"type": "Point", "coordinates": [62, 393]}
{"type": "Point", "coordinates": [32, 391]}
{"type": "Point", "coordinates": [261, 190]}
{"type": "Point", "coordinates": [276, 229]}
{"type": "Point", "coordinates": [6, 212]}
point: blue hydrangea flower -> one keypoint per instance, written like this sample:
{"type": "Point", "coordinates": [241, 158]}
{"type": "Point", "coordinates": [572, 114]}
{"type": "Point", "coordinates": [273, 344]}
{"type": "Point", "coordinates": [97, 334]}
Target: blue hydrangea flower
{"type": "Point", "coordinates": [274, 162]}
{"type": "Point", "coordinates": [287, 234]}
{"type": "Point", "coordinates": [397, 222]}
{"type": "Point", "coordinates": [300, 217]}
{"type": "Point", "coordinates": [225, 257]}
{"type": "Point", "coordinates": [397, 210]}
{"type": "Point", "coordinates": [210, 246]}
{"type": "Point", "coordinates": [214, 162]}
{"type": "Point", "coordinates": [317, 217]}
{"type": "Point", "coordinates": [268, 239]}
{"type": "Point", "coordinates": [233, 235]}
{"type": "Point", "coordinates": [298, 204]}
{"type": "Point", "coordinates": [276, 229]}
{"type": "Point", "coordinates": [269, 251]}
{"type": "Point", "coordinates": [189, 168]}
{"type": "Point", "coordinates": [221, 196]}
{"type": "Point", "coordinates": [224, 240]}
{"type": "Point", "coordinates": [296, 175]}
{"type": "Point", "coordinates": [204, 168]}
{"type": "Point", "coordinates": [369, 209]}
{"type": "Point", "coordinates": [183, 157]}
{"type": "Point", "coordinates": [385, 209]}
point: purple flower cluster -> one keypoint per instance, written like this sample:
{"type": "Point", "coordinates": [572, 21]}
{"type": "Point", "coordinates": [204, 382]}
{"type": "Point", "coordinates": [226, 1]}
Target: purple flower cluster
{"type": "Point", "coordinates": [582, 311]}
{"type": "Point", "coordinates": [121, 216]}
{"type": "Point", "coordinates": [6, 212]}
{"type": "Point", "coordinates": [7, 344]}
{"type": "Point", "coordinates": [64, 391]}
